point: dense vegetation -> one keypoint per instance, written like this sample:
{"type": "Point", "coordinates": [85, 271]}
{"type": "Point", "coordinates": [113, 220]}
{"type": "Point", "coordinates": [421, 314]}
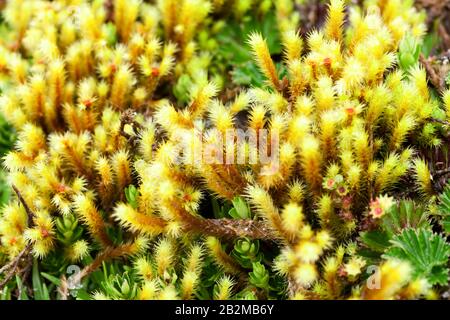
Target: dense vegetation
{"type": "Point", "coordinates": [121, 180]}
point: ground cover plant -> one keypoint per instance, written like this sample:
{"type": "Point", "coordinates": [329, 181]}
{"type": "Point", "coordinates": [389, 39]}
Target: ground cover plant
{"type": "Point", "coordinates": [224, 149]}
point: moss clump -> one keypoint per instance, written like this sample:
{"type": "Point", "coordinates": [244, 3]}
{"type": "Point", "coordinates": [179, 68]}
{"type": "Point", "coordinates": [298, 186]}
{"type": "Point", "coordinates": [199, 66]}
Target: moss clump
{"type": "Point", "coordinates": [137, 152]}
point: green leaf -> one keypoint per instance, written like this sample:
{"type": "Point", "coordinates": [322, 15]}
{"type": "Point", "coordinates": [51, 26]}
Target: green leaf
{"type": "Point", "coordinates": [427, 252]}
{"type": "Point", "coordinates": [216, 209]}
{"type": "Point", "coordinates": [369, 254]}
{"type": "Point", "coordinates": [120, 286]}
{"type": "Point", "coordinates": [5, 294]}
{"type": "Point", "coordinates": [376, 240]}
{"type": "Point", "coordinates": [405, 214]}
{"type": "Point", "coordinates": [68, 230]}
{"type": "Point", "coordinates": [5, 190]}
{"type": "Point", "coordinates": [220, 210]}
{"type": "Point", "coordinates": [246, 294]}
{"type": "Point", "coordinates": [247, 74]}
{"type": "Point", "coordinates": [7, 136]}
{"type": "Point", "coordinates": [446, 224]}
{"type": "Point", "coordinates": [7, 139]}
{"type": "Point", "coordinates": [111, 34]}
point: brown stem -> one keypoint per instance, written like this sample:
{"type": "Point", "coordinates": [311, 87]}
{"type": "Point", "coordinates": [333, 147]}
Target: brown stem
{"type": "Point", "coordinates": [225, 228]}
{"type": "Point", "coordinates": [30, 213]}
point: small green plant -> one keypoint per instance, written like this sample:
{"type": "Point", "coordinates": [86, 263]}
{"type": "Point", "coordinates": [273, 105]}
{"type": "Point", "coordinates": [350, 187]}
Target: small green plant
{"type": "Point", "coordinates": [409, 51]}
{"type": "Point", "coordinates": [444, 209]}
{"type": "Point", "coordinates": [427, 253]}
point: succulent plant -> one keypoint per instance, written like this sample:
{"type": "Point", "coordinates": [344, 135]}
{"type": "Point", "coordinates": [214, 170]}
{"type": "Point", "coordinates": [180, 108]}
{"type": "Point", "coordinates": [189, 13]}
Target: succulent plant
{"type": "Point", "coordinates": [204, 149]}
